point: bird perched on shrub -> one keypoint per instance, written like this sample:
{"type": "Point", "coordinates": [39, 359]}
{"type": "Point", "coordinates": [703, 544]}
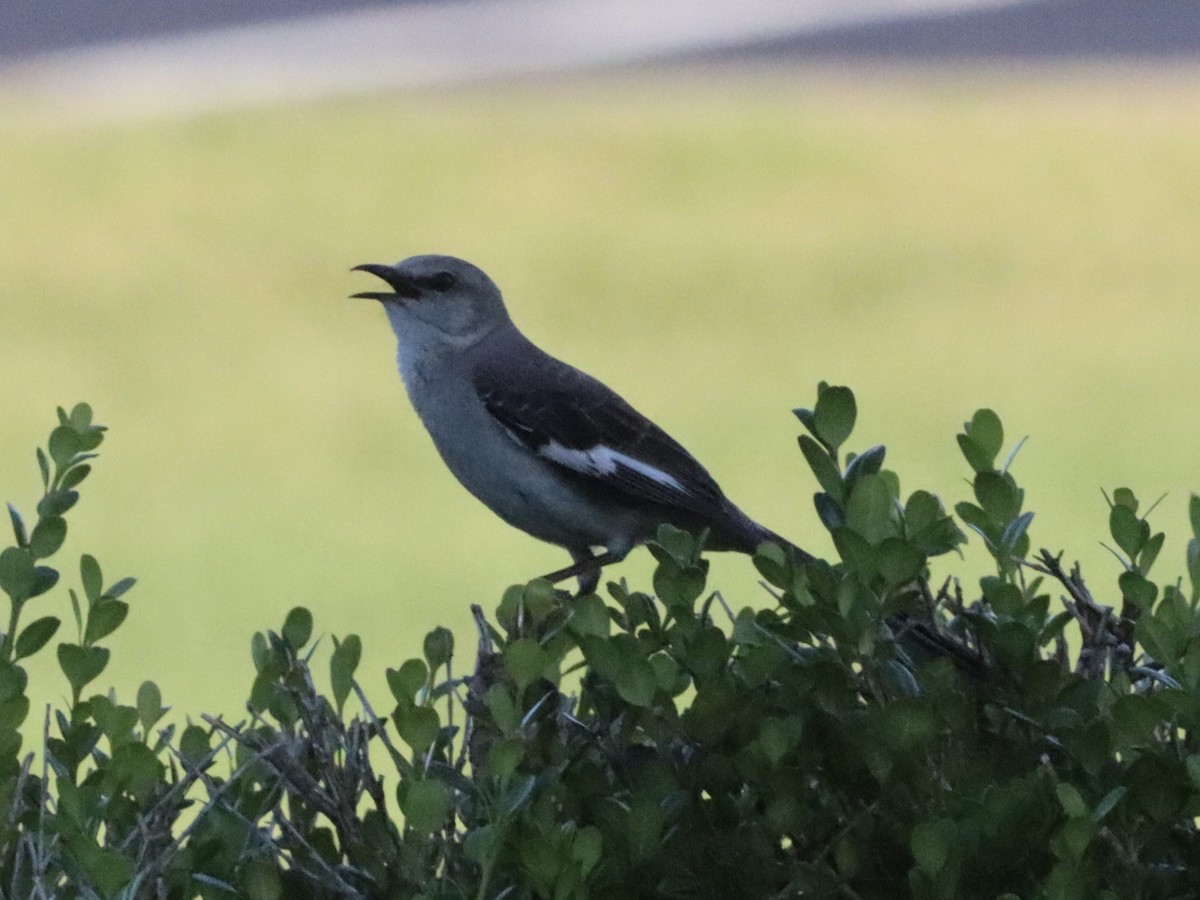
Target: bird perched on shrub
{"type": "Point", "coordinates": [550, 449]}
{"type": "Point", "coordinates": [546, 447]}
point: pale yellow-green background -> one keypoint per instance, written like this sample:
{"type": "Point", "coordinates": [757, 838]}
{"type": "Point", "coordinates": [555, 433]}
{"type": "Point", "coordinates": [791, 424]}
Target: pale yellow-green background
{"type": "Point", "coordinates": [711, 245]}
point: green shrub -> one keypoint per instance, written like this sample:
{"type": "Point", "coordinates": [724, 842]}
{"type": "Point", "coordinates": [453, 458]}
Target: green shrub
{"type": "Point", "coordinates": [653, 745]}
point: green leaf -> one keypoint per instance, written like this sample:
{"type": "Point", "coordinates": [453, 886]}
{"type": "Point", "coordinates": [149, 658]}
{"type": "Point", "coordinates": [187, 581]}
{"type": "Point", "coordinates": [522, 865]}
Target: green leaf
{"type": "Point", "coordinates": [669, 675]}
{"type": "Point", "coordinates": [90, 440]}
{"type": "Point", "coordinates": [426, 805]}
{"type": "Point", "coordinates": [194, 744]}
{"type": "Point", "coordinates": [1137, 715]}
{"type": "Point", "coordinates": [777, 738]}
{"type": "Point", "coordinates": [1130, 532]}
{"type": "Point", "coordinates": [1193, 770]}
{"type": "Point", "coordinates": [518, 795]}
{"type": "Point", "coordinates": [829, 511]}
{"type": "Point", "coordinates": [1012, 454]}
{"type": "Point", "coordinates": [1138, 590]}
{"type": "Point", "coordinates": [116, 590]}
{"type": "Point", "coordinates": [438, 647]}
{"type": "Point", "coordinates": [297, 628]}
{"type": "Point", "coordinates": [149, 705]}
{"type": "Point", "coordinates": [417, 726]}
{"type": "Point", "coordinates": [870, 509]}
{"type": "Point", "coordinates": [931, 843]}
{"type": "Point", "coordinates": [262, 693]}
{"type": "Point", "coordinates": [17, 576]}
{"type": "Point", "coordinates": [261, 881]}
{"type": "Point", "coordinates": [342, 664]}
{"type": "Point", "coordinates": [705, 652]}
{"type": "Point", "coordinates": [116, 721]}
{"type": "Point", "coordinates": [922, 512]}
{"type": "Point", "coordinates": [525, 661]}
{"type": "Point", "coordinates": [1071, 800]}
{"type": "Point", "coordinates": [973, 516]}
{"type": "Point", "coordinates": [679, 586]}
{"type": "Point", "coordinates": [103, 619]}
{"type": "Point", "coordinates": [807, 418]}
{"type": "Point", "coordinates": [771, 562]}
{"type": "Point", "coordinates": [74, 475]}
{"type": "Point", "coordinates": [108, 870]}
{"type": "Point", "coordinates": [44, 578]}
{"type": "Point", "coordinates": [481, 843]}
{"type": "Point", "coordinates": [636, 682]}
{"type": "Point", "coordinates": [823, 466]}
{"type": "Point", "coordinates": [64, 444]}
{"type": "Point", "coordinates": [1006, 599]}
{"type": "Point", "coordinates": [18, 526]}
{"type": "Point", "coordinates": [81, 664]}
{"type": "Point", "coordinates": [1013, 532]}
{"type": "Point", "coordinates": [890, 477]}
{"type": "Point", "coordinates": [504, 757]}
{"type": "Point", "coordinates": [987, 433]}
{"type": "Point", "coordinates": [13, 713]}
{"type": "Point", "coordinates": [975, 456]}
{"type": "Point", "coordinates": [35, 636]}
{"type": "Point", "coordinates": [406, 681]}
{"type": "Point", "coordinates": [869, 462]}
{"type": "Point", "coordinates": [1123, 496]}
{"type": "Point", "coordinates": [1194, 513]}
{"type": "Point", "coordinates": [75, 608]}
{"type": "Point", "coordinates": [899, 680]}
{"type": "Point", "coordinates": [1150, 552]}
{"type": "Point", "coordinates": [90, 575]}
{"type": "Point", "coordinates": [13, 680]}
{"type": "Point", "coordinates": [679, 545]}
{"type": "Point", "coordinates": [1108, 803]}
{"type": "Point", "coordinates": [44, 468]}
{"type": "Point", "coordinates": [1071, 842]}
{"type": "Point", "coordinates": [260, 653]}
{"type": "Point", "coordinates": [855, 552]}
{"type": "Point", "coordinates": [539, 599]}
{"type": "Point", "coordinates": [834, 416]}
{"type": "Point", "coordinates": [81, 417]}
{"type": "Point", "coordinates": [589, 615]}
{"type": "Point", "coordinates": [56, 503]}
{"type": "Point", "coordinates": [898, 561]}
{"type": "Point", "coordinates": [644, 828]}
{"type": "Point", "coordinates": [499, 703]}
{"type": "Point", "coordinates": [10, 747]}
{"type": "Point", "coordinates": [907, 726]}
{"type": "Point", "coordinates": [999, 496]}
{"type": "Point", "coordinates": [508, 613]}
{"type": "Point", "coordinates": [586, 848]}
{"type": "Point", "coordinates": [1193, 566]}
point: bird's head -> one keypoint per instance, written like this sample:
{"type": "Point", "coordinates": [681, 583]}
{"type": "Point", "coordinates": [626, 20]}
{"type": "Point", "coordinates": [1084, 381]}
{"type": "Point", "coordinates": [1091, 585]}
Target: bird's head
{"type": "Point", "coordinates": [437, 295]}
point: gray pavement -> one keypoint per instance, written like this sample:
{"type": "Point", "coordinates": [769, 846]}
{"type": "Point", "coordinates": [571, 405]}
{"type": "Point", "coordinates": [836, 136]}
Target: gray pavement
{"type": "Point", "coordinates": [1048, 29]}
{"type": "Point", "coordinates": [30, 27]}
{"type": "Point", "coordinates": [411, 44]}
{"type": "Point", "coordinates": [82, 59]}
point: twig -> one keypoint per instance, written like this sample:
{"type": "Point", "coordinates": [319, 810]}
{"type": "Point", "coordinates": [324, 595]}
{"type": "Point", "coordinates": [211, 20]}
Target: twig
{"type": "Point", "coordinates": [1101, 635]}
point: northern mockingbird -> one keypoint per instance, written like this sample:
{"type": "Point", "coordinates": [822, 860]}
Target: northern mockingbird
{"type": "Point", "coordinates": [549, 449]}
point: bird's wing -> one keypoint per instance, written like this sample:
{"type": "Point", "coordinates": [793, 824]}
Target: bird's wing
{"type": "Point", "coordinates": [575, 422]}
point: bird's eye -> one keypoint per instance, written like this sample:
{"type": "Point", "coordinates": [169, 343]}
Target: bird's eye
{"type": "Point", "coordinates": [442, 282]}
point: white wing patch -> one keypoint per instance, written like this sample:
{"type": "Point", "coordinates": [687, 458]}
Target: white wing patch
{"type": "Point", "coordinates": [601, 460]}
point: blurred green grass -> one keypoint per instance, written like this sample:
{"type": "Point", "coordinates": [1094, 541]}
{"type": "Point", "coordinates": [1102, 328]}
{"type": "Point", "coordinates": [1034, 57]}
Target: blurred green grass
{"type": "Point", "coordinates": [711, 245]}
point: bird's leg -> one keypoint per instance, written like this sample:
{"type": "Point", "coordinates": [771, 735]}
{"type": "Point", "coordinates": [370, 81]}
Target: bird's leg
{"type": "Point", "coordinates": [586, 568]}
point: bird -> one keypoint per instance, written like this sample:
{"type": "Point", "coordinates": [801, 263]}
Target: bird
{"type": "Point", "coordinates": [548, 448]}
{"type": "Point", "coordinates": [553, 451]}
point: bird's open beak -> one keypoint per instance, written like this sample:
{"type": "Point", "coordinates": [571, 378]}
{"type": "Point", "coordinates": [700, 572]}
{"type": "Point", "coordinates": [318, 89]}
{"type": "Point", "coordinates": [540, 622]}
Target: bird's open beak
{"type": "Point", "coordinates": [402, 287]}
